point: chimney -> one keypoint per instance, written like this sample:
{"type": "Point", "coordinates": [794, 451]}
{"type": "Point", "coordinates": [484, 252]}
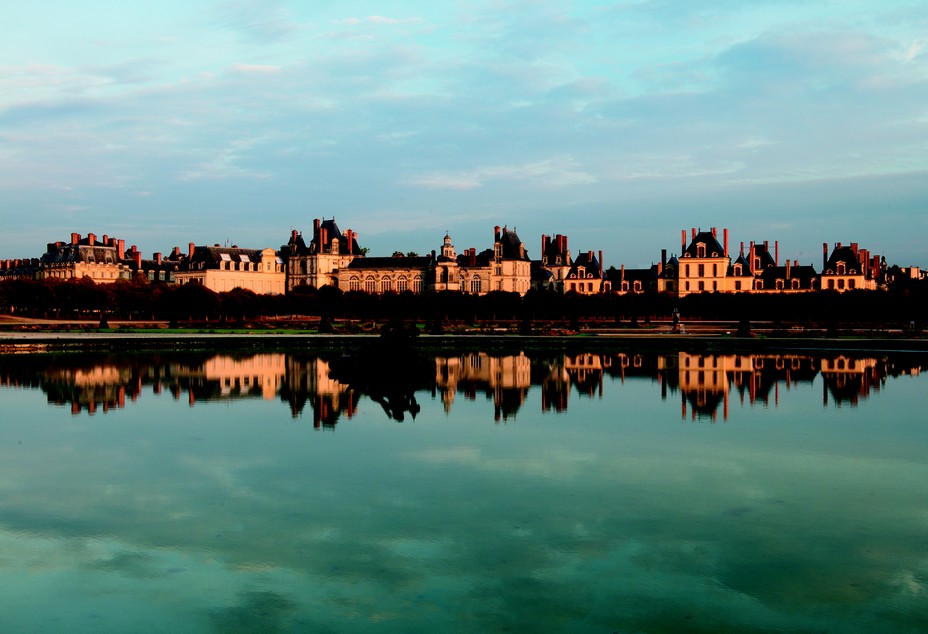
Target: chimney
{"type": "Point", "coordinates": [496, 233]}
{"type": "Point", "coordinates": [725, 238]}
{"type": "Point", "coordinates": [663, 259]}
{"type": "Point", "coordinates": [824, 256]}
{"type": "Point", "coordinates": [472, 257]}
{"type": "Point", "coordinates": [92, 239]}
{"type": "Point", "coordinates": [106, 240]}
{"type": "Point", "coordinates": [133, 249]}
{"type": "Point", "coordinates": [838, 245]}
{"type": "Point", "coordinates": [324, 239]}
{"type": "Point", "coordinates": [350, 237]}
{"type": "Point", "coordinates": [190, 248]}
{"type": "Point", "coordinates": [682, 241]}
{"type": "Point", "coordinates": [742, 248]}
{"type": "Point", "coordinates": [120, 249]}
{"type": "Point", "coordinates": [751, 258]}
{"type": "Point", "coordinates": [714, 234]}
{"type": "Point", "coordinates": [75, 238]}
{"type": "Point", "coordinates": [315, 227]}
{"type": "Point", "coordinates": [622, 274]}
{"type": "Point", "coordinates": [854, 246]}
{"type": "Point", "coordinates": [293, 235]}
{"type": "Point", "coordinates": [137, 257]}
{"type": "Point", "coordinates": [776, 252]}
{"type": "Point", "coordinates": [693, 232]}
{"type": "Point", "coordinates": [156, 257]}
{"type": "Point", "coordinates": [544, 247]}
{"type": "Point", "coordinates": [175, 254]}
{"type": "Point", "coordinates": [600, 263]}
{"type": "Point", "coordinates": [787, 269]}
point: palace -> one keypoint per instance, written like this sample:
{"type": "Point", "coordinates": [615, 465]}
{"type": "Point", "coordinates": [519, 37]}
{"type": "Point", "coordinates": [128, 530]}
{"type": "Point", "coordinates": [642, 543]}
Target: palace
{"type": "Point", "coordinates": [335, 258]}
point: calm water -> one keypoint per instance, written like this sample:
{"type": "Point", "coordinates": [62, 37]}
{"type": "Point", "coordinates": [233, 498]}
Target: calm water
{"type": "Point", "coordinates": [596, 493]}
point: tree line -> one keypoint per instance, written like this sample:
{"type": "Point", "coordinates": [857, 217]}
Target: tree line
{"type": "Point", "coordinates": [904, 302]}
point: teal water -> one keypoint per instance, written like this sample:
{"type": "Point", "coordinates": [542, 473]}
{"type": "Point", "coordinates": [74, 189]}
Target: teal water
{"type": "Point", "coordinates": [254, 494]}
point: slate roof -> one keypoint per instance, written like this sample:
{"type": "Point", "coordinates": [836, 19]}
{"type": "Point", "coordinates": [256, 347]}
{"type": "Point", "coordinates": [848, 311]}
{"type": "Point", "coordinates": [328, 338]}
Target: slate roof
{"type": "Point", "coordinates": [210, 257]}
{"type": "Point", "coordinates": [845, 255]}
{"type": "Point", "coordinates": [512, 245]}
{"type": "Point", "coordinates": [366, 263]}
{"type": "Point", "coordinates": [805, 274]}
{"type": "Point", "coordinates": [712, 245]}
{"type": "Point", "coordinates": [589, 263]}
{"type": "Point", "coordinates": [745, 267]}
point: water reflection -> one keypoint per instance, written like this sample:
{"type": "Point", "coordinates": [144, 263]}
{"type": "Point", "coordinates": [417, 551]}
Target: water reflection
{"type": "Point", "coordinates": [705, 383]}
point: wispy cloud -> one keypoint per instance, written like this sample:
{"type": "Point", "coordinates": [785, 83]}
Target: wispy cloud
{"type": "Point", "coordinates": [552, 173]}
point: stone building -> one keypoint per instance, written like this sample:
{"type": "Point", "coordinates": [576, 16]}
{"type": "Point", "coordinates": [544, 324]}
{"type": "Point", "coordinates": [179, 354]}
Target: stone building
{"type": "Point", "coordinates": [222, 269]}
{"type": "Point", "coordinates": [103, 260]}
{"type": "Point", "coordinates": [318, 263]}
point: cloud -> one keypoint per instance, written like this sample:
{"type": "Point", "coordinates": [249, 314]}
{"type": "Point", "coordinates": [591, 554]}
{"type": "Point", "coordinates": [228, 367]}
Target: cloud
{"type": "Point", "coordinates": [260, 69]}
{"type": "Point", "coordinates": [553, 173]}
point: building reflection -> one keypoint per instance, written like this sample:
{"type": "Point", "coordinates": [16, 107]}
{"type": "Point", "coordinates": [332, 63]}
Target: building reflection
{"type": "Point", "coordinates": [504, 379]}
{"type": "Point", "coordinates": [705, 383]}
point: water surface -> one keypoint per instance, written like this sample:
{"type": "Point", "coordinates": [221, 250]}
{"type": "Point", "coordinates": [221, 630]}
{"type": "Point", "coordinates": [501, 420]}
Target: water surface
{"type": "Point", "coordinates": [614, 493]}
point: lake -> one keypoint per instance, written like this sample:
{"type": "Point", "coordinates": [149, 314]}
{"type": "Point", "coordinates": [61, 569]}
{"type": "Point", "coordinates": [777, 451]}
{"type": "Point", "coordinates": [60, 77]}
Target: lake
{"type": "Point", "coordinates": [676, 492]}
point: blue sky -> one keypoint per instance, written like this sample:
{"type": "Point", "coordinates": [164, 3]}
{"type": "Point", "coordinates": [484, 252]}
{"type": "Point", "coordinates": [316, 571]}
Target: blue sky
{"type": "Point", "coordinates": [617, 123]}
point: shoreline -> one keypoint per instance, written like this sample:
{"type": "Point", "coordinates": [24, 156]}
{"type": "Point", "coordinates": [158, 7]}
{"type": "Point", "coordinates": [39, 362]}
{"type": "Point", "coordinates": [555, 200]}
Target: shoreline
{"type": "Point", "coordinates": [121, 341]}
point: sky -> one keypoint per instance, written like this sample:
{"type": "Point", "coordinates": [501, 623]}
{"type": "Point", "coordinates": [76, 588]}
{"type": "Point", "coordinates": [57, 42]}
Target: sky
{"type": "Point", "coordinates": [615, 123]}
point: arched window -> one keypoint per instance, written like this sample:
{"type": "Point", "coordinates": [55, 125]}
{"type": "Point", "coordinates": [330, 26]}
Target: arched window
{"type": "Point", "coordinates": [370, 284]}
{"type": "Point", "coordinates": [401, 284]}
{"type": "Point", "coordinates": [386, 285]}
{"type": "Point", "coordinates": [475, 284]}
{"type": "Point", "coordinates": [700, 250]}
{"type": "Point", "coordinates": [354, 283]}
{"type": "Point", "coordinates": [417, 285]}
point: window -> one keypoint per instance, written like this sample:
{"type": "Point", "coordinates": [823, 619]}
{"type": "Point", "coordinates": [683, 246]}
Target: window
{"type": "Point", "coordinates": [475, 284]}
{"type": "Point", "coordinates": [841, 268]}
{"type": "Point", "coordinates": [737, 269]}
{"type": "Point", "coordinates": [851, 283]}
{"type": "Point", "coordinates": [700, 250]}
{"type": "Point", "coordinates": [417, 285]}
{"type": "Point", "coordinates": [840, 284]}
{"type": "Point", "coordinates": [715, 286]}
{"type": "Point", "coordinates": [624, 286]}
{"type": "Point", "coordinates": [386, 285]}
{"type": "Point", "coordinates": [686, 270]}
{"type": "Point", "coordinates": [687, 285]}
{"type": "Point", "coordinates": [401, 284]}
{"type": "Point", "coordinates": [831, 284]}
{"type": "Point", "coordinates": [354, 284]}
{"type": "Point", "coordinates": [794, 283]}
{"type": "Point", "coordinates": [759, 285]}
{"type": "Point", "coordinates": [702, 270]}
{"type": "Point", "coordinates": [702, 285]}
{"type": "Point", "coordinates": [779, 285]}
{"type": "Point", "coordinates": [737, 285]}
{"type": "Point", "coordinates": [370, 285]}
{"type": "Point", "coordinates": [637, 285]}
{"type": "Point", "coordinates": [715, 270]}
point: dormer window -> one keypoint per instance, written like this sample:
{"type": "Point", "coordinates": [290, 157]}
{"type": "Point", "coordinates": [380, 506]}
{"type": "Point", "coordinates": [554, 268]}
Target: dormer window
{"type": "Point", "coordinates": [737, 269]}
{"type": "Point", "coordinates": [841, 268]}
{"type": "Point", "coordinates": [700, 250]}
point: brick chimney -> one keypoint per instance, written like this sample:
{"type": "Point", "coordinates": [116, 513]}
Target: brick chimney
{"type": "Point", "coordinates": [693, 233]}
{"type": "Point", "coordinates": [156, 257]}
{"type": "Point", "coordinates": [725, 239]}
{"type": "Point", "coordinates": [714, 234]}
{"type": "Point", "coordinates": [751, 258]}
{"type": "Point", "coordinates": [600, 263]}
{"type": "Point", "coordinates": [137, 258]}
{"type": "Point", "coordinates": [75, 238]}
{"type": "Point", "coordinates": [175, 254]}
{"type": "Point", "coordinates": [682, 241]}
{"type": "Point", "coordinates": [824, 256]}
{"type": "Point", "coordinates": [190, 248]}
{"type": "Point", "coordinates": [92, 239]}
{"type": "Point", "coordinates": [496, 233]}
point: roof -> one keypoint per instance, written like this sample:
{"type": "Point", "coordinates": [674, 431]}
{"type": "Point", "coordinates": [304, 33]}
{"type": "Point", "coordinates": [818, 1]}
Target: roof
{"type": "Point", "coordinates": [845, 255]}
{"type": "Point", "coordinates": [210, 257]}
{"type": "Point", "coordinates": [745, 267]}
{"type": "Point", "coordinates": [366, 263]}
{"type": "Point", "coordinates": [589, 263]}
{"type": "Point", "coordinates": [713, 248]}
{"type": "Point", "coordinates": [805, 274]}
{"type": "Point", "coordinates": [512, 247]}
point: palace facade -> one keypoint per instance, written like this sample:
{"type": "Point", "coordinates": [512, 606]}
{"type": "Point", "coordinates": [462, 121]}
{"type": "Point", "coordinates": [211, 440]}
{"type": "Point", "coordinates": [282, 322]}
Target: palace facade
{"type": "Point", "coordinates": [335, 258]}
